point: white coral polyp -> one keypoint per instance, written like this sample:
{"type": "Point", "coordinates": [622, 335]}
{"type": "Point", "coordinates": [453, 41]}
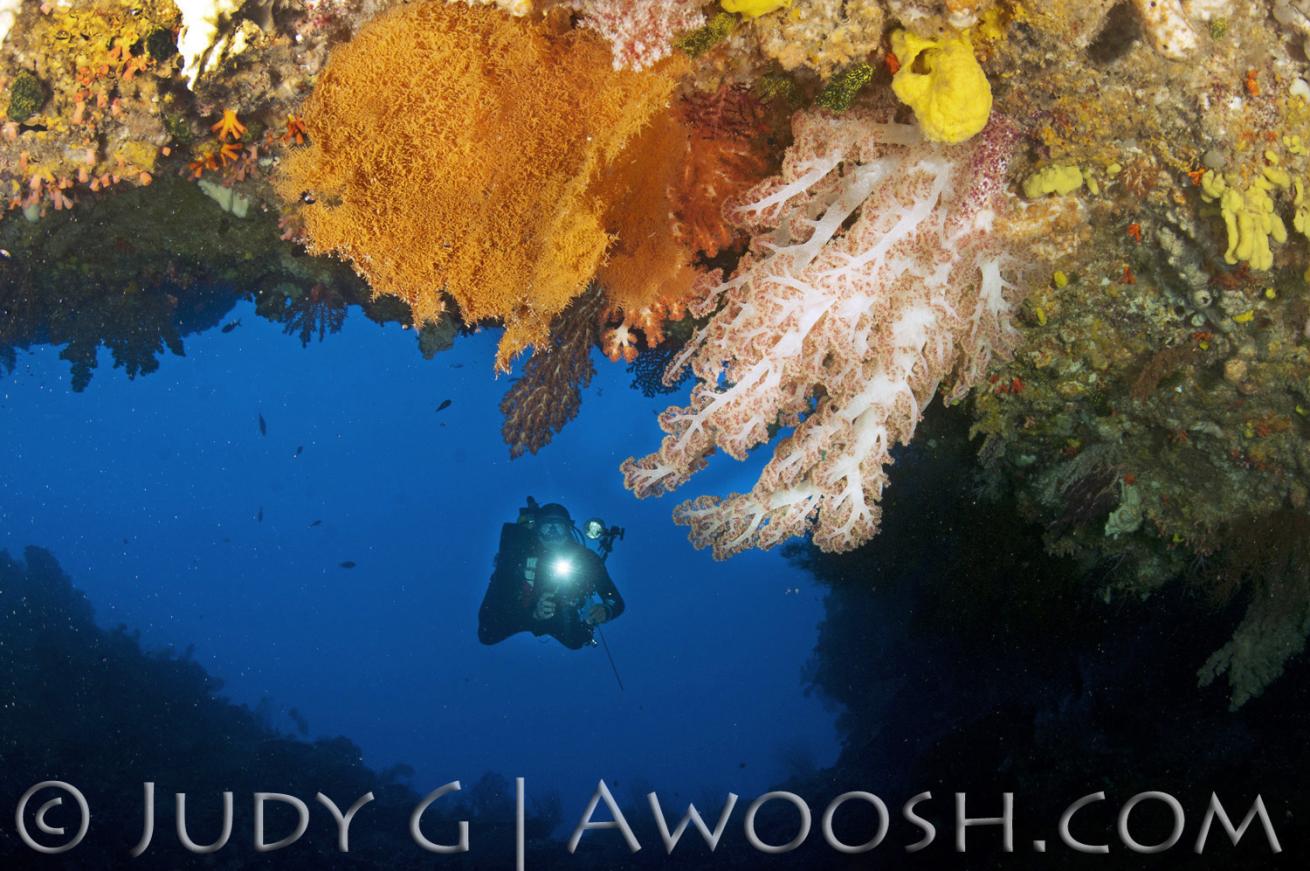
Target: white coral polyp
{"type": "Point", "coordinates": [201, 21]}
{"type": "Point", "coordinates": [639, 34]}
{"type": "Point", "coordinates": [876, 275]}
{"type": "Point", "coordinates": [1165, 23]}
{"type": "Point", "coordinates": [9, 10]}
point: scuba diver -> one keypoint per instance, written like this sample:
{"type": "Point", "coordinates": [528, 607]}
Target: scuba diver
{"type": "Point", "coordinates": [545, 578]}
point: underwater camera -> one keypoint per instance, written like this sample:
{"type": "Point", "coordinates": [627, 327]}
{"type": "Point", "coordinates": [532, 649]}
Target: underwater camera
{"type": "Point", "coordinates": [604, 536]}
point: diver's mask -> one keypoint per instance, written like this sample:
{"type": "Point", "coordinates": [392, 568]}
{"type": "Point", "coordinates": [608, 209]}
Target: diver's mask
{"type": "Point", "coordinates": [552, 532]}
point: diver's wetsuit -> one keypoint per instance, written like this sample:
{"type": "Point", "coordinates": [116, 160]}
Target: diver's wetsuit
{"type": "Point", "coordinates": [523, 573]}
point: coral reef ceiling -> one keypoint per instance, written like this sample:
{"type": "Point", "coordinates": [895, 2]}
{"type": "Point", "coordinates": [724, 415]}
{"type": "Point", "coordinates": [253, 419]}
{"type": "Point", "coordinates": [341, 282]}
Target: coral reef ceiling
{"type": "Point", "coordinates": [1084, 222]}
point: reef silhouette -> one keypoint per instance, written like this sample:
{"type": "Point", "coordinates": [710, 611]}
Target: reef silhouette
{"type": "Point", "coordinates": [963, 658]}
{"type": "Point", "coordinates": [92, 707]}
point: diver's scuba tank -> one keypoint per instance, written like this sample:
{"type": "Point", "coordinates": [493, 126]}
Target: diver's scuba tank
{"type": "Point", "coordinates": [518, 538]}
{"type": "Point", "coordinates": [528, 514]}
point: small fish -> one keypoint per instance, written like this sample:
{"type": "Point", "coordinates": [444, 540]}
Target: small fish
{"type": "Point", "coordinates": [230, 326]}
{"type": "Point", "coordinates": [260, 516]}
{"type": "Point", "coordinates": [741, 764]}
{"type": "Point", "coordinates": [445, 403]}
{"type": "Point", "coordinates": [5, 255]}
{"type": "Point", "coordinates": [300, 450]}
{"type": "Point", "coordinates": [315, 523]}
{"type": "Point", "coordinates": [457, 365]}
{"type": "Point", "coordinates": [348, 564]}
{"type": "Point", "coordinates": [263, 425]}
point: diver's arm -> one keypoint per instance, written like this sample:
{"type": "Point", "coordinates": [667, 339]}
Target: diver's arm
{"type": "Point", "coordinates": [609, 594]}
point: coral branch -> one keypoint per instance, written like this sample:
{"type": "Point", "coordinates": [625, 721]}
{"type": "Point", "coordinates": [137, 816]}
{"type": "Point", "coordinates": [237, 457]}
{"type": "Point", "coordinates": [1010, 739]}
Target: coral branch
{"type": "Point", "coordinates": [550, 392]}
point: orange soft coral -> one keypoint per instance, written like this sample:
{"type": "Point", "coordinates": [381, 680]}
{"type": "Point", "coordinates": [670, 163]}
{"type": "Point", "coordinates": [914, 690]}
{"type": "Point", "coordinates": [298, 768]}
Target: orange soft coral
{"type": "Point", "coordinates": [668, 192]}
{"type": "Point", "coordinates": [458, 149]}
{"type": "Point", "coordinates": [619, 342]}
{"type": "Point", "coordinates": [726, 158]}
{"type": "Point", "coordinates": [647, 261]}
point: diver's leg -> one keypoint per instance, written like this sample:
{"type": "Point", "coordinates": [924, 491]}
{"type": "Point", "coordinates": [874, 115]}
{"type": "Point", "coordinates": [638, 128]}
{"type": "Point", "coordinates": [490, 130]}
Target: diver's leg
{"type": "Point", "coordinates": [570, 640]}
{"type": "Point", "coordinates": [492, 631]}
{"type": "Point", "coordinates": [573, 635]}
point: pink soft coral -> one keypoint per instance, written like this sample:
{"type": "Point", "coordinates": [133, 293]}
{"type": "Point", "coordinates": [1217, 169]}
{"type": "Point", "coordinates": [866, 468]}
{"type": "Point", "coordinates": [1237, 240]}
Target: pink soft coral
{"type": "Point", "coordinates": [876, 274]}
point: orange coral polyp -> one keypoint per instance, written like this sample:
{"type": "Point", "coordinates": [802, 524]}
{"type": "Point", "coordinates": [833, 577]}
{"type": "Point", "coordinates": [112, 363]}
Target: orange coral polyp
{"type": "Point", "coordinates": [229, 126]}
{"type": "Point", "coordinates": [296, 131]}
{"type": "Point", "coordinates": [457, 150]}
{"type": "Point", "coordinates": [620, 342]}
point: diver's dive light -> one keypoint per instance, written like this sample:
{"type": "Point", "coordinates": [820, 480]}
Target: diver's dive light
{"type": "Point", "coordinates": [562, 569]}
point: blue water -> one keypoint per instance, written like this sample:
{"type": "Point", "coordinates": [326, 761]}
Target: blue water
{"type": "Point", "coordinates": [149, 493]}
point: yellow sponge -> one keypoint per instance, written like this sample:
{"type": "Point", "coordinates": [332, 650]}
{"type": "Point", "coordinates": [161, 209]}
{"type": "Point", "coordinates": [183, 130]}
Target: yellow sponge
{"type": "Point", "coordinates": [942, 82]}
{"type": "Point", "coordinates": [1052, 180]}
{"type": "Point", "coordinates": [753, 8]}
{"type": "Point", "coordinates": [1249, 218]}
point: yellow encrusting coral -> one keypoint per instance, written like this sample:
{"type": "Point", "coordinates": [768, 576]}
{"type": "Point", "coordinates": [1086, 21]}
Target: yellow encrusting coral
{"type": "Point", "coordinates": [823, 35]}
{"type": "Point", "coordinates": [458, 150]}
{"type": "Point", "coordinates": [1055, 179]}
{"type": "Point", "coordinates": [85, 86]}
{"type": "Point", "coordinates": [1249, 218]}
{"type": "Point", "coordinates": [1301, 217]}
{"type": "Point", "coordinates": [942, 81]}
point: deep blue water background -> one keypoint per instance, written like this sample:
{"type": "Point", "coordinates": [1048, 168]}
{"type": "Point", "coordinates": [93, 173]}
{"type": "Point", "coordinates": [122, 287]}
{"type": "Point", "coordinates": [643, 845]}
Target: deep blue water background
{"type": "Point", "coordinates": [149, 493]}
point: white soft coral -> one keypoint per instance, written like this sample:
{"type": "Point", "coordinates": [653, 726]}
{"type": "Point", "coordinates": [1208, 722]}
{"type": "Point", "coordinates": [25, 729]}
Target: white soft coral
{"type": "Point", "coordinates": [640, 34]}
{"type": "Point", "coordinates": [876, 275]}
